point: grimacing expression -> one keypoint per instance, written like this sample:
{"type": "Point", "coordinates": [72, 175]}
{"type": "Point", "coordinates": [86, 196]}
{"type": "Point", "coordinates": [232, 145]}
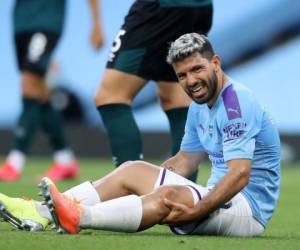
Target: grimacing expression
{"type": "Point", "coordinates": [197, 77]}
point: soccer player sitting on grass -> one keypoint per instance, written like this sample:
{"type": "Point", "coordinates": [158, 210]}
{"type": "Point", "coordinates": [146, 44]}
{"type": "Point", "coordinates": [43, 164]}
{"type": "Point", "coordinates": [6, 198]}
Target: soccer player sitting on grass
{"type": "Point", "coordinates": [226, 121]}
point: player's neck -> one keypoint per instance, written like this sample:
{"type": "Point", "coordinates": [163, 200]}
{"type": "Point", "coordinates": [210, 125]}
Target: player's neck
{"type": "Point", "coordinates": [222, 81]}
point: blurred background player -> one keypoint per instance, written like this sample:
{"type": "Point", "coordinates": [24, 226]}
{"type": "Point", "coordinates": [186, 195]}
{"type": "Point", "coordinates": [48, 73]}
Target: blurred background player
{"type": "Point", "coordinates": [137, 56]}
{"type": "Point", "coordinates": [38, 25]}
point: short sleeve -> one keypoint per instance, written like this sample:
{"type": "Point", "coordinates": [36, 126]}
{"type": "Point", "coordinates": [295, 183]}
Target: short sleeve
{"type": "Point", "coordinates": [239, 130]}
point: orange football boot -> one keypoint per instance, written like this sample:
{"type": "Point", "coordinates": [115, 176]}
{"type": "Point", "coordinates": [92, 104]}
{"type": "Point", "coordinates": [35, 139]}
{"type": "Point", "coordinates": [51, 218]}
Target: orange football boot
{"type": "Point", "coordinates": [65, 210]}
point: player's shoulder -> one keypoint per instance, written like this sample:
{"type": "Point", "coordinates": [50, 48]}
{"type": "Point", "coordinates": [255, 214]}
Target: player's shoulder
{"type": "Point", "coordinates": [234, 89]}
{"type": "Point", "coordinates": [238, 100]}
{"type": "Point", "coordinates": [236, 93]}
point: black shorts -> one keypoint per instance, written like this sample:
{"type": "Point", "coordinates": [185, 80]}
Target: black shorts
{"type": "Point", "coordinates": [34, 50]}
{"type": "Point", "coordinates": [142, 43]}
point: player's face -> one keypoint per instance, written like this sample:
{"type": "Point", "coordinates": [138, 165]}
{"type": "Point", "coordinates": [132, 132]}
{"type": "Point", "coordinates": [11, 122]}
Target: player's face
{"type": "Point", "coordinates": [198, 78]}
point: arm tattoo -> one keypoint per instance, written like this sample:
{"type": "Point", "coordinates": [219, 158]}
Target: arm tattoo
{"type": "Point", "coordinates": [171, 169]}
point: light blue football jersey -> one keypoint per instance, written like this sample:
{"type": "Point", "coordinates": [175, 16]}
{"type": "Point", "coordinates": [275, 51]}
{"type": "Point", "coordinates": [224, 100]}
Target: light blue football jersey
{"type": "Point", "coordinates": [238, 127]}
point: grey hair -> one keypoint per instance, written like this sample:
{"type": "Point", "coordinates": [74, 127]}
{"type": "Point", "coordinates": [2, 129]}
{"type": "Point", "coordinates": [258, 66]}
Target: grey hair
{"type": "Point", "coordinates": [188, 44]}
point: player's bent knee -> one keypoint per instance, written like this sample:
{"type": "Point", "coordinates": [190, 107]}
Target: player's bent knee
{"type": "Point", "coordinates": [167, 192]}
{"type": "Point", "coordinates": [102, 96]}
{"type": "Point", "coordinates": [127, 164]}
{"type": "Point", "coordinates": [96, 100]}
{"type": "Point", "coordinates": [106, 97]}
{"type": "Point", "coordinates": [132, 166]}
{"type": "Point", "coordinates": [162, 193]}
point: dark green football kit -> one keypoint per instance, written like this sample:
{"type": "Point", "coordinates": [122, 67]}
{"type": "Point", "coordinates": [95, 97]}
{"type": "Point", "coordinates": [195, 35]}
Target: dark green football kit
{"type": "Point", "coordinates": [140, 48]}
{"type": "Point", "coordinates": [37, 26]}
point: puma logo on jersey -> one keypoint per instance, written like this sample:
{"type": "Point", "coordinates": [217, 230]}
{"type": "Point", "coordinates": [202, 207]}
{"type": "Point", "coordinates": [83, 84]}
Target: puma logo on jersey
{"type": "Point", "coordinates": [234, 110]}
{"type": "Point", "coordinates": [201, 127]}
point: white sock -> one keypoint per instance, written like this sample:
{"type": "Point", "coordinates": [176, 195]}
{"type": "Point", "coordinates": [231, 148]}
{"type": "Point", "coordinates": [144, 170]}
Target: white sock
{"type": "Point", "coordinates": [84, 192]}
{"type": "Point", "coordinates": [17, 159]}
{"type": "Point", "coordinates": [64, 157]}
{"type": "Point", "coordinates": [123, 214]}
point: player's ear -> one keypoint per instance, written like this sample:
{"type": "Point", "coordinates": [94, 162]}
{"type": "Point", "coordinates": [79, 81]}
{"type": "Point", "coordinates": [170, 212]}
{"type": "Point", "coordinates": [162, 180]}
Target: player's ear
{"type": "Point", "coordinates": [216, 60]}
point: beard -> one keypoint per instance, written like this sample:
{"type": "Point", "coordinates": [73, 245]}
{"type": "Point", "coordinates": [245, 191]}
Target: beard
{"type": "Point", "coordinates": [211, 84]}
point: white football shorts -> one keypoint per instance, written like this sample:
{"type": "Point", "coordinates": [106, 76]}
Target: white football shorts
{"type": "Point", "coordinates": [234, 218]}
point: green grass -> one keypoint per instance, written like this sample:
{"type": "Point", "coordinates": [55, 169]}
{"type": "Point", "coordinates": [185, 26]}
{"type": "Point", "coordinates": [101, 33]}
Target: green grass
{"type": "Point", "coordinates": [283, 231]}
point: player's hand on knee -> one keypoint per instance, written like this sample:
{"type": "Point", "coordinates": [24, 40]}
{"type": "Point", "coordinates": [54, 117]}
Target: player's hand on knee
{"type": "Point", "coordinates": [179, 214]}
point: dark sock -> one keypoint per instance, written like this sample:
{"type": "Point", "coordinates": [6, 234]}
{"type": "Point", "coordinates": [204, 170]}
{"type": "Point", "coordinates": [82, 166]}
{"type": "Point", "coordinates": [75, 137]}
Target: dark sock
{"type": "Point", "coordinates": [28, 122]}
{"type": "Point", "coordinates": [177, 119]}
{"type": "Point", "coordinates": [53, 124]}
{"type": "Point", "coordinates": [124, 135]}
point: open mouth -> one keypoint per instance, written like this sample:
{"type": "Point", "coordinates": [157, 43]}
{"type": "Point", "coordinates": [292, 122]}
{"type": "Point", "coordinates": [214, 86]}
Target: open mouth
{"type": "Point", "coordinates": [199, 90]}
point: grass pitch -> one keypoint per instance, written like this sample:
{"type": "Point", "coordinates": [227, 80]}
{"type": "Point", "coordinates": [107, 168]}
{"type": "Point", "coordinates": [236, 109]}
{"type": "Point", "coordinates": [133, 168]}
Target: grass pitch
{"type": "Point", "coordinates": [283, 231]}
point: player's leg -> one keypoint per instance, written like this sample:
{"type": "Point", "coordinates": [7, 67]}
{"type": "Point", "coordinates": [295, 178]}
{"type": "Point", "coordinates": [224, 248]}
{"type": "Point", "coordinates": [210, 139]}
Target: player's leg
{"type": "Point", "coordinates": [129, 213]}
{"type": "Point", "coordinates": [65, 165]}
{"type": "Point", "coordinates": [113, 101]}
{"type": "Point", "coordinates": [32, 215]}
{"type": "Point", "coordinates": [154, 208]}
{"type": "Point", "coordinates": [136, 177]}
{"type": "Point", "coordinates": [33, 52]}
{"type": "Point", "coordinates": [27, 124]}
{"type": "Point", "coordinates": [134, 213]}
{"type": "Point", "coordinates": [127, 179]}
{"type": "Point", "coordinates": [29, 119]}
{"type": "Point", "coordinates": [129, 182]}
{"type": "Point", "coordinates": [132, 177]}
{"type": "Point", "coordinates": [123, 80]}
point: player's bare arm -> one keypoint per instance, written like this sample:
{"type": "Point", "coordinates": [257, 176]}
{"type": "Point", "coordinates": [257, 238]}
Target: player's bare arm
{"type": "Point", "coordinates": [96, 36]}
{"type": "Point", "coordinates": [232, 183]}
{"type": "Point", "coordinates": [183, 163]}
